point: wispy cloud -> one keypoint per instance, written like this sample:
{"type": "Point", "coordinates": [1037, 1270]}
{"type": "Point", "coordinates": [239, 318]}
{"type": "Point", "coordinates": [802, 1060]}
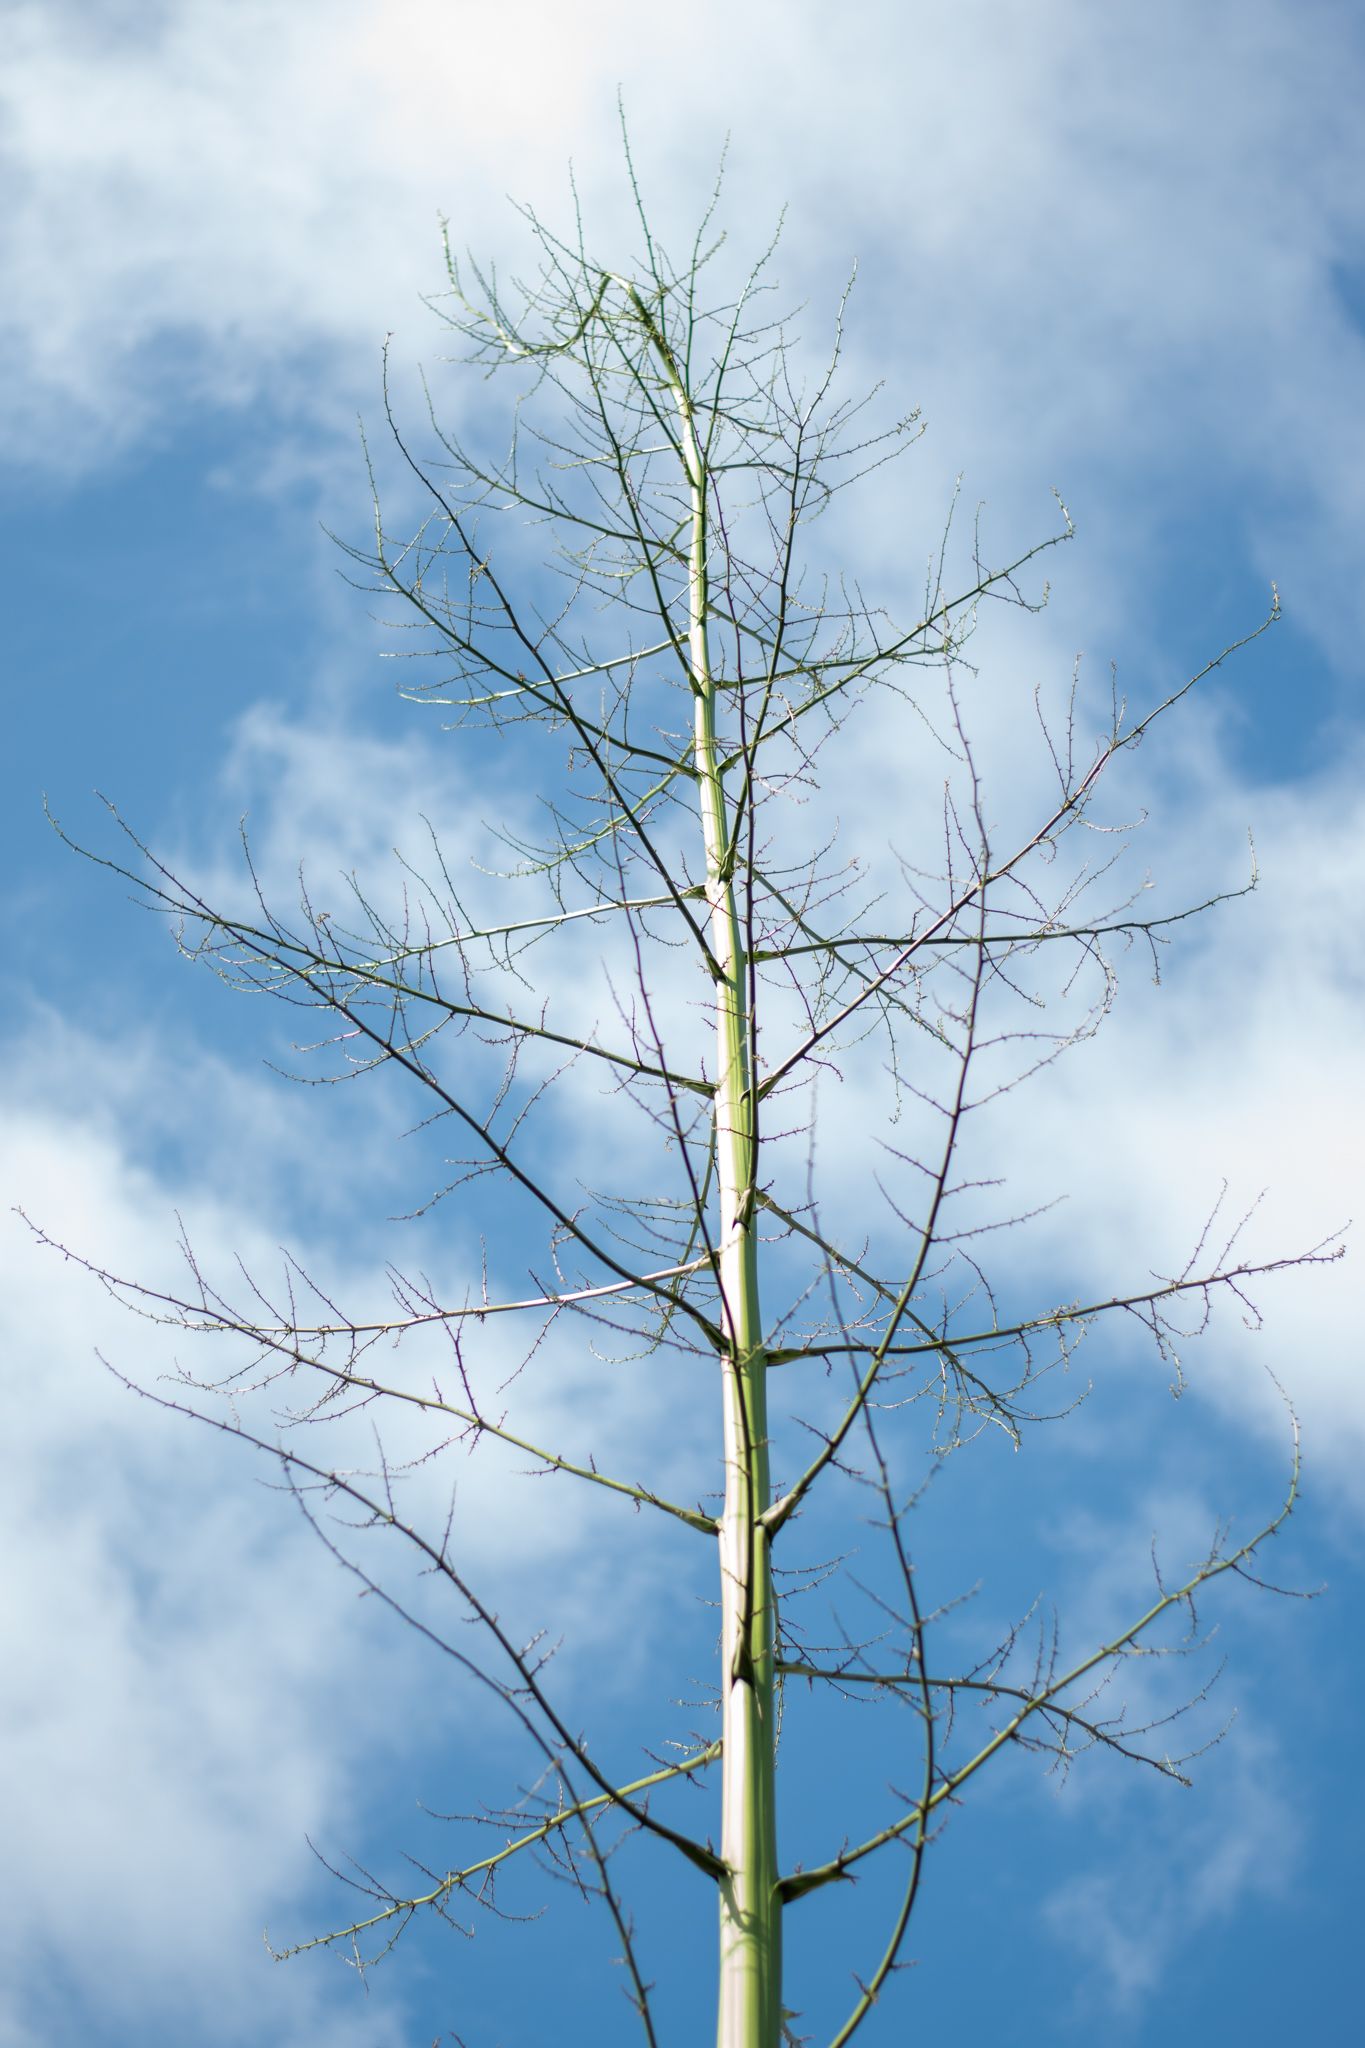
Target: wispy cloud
{"type": "Point", "coordinates": [1181, 1874]}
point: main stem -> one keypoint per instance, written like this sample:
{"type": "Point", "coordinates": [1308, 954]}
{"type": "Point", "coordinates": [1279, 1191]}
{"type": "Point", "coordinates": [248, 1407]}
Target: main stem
{"type": "Point", "coordinates": [750, 2012]}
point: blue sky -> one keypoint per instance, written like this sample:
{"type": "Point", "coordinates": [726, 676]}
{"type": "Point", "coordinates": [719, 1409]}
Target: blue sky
{"type": "Point", "coordinates": [1119, 251]}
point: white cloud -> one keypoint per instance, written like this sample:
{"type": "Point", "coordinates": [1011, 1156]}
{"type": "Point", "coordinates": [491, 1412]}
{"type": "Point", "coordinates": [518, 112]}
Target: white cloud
{"type": "Point", "coordinates": [190, 1688]}
{"type": "Point", "coordinates": [1243, 1067]}
{"type": "Point", "coordinates": [224, 184]}
{"type": "Point", "coordinates": [1096, 242]}
{"type": "Point", "coordinates": [182, 1695]}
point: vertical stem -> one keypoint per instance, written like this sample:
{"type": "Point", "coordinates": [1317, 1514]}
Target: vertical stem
{"type": "Point", "coordinates": [750, 1909]}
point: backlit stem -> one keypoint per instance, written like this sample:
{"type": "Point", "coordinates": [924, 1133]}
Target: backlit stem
{"type": "Point", "coordinates": [750, 1906]}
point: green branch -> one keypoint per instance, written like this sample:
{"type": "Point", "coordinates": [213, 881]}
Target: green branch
{"type": "Point", "coordinates": [839, 1867]}
{"type": "Point", "coordinates": [459, 1880]}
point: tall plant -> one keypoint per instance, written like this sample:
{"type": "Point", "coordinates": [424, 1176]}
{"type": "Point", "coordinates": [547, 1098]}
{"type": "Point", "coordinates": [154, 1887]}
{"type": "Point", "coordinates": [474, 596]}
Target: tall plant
{"type": "Point", "coordinates": [692, 655]}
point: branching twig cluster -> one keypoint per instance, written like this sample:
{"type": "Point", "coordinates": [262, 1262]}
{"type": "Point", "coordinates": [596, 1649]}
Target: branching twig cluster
{"type": "Point", "coordinates": [694, 657]}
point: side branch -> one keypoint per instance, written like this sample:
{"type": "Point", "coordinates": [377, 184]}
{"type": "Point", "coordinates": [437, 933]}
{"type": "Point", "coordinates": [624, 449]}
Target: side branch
{"type": "Point", "coordinates": [1327, 1252]}
{"type": "Point", "coordinates": [437, 1557]}
{"type": "Point", "coordinates": [285, 1343]}
{"type": "Point", "coordinates": [460, 1880]}
{"type": "Point", "coordinates": [839, 1867]}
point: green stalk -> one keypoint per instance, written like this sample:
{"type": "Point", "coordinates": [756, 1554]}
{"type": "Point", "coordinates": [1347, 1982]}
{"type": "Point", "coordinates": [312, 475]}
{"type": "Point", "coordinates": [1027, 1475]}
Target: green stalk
{"type": "Point", "coordinates": [750, 2005]}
